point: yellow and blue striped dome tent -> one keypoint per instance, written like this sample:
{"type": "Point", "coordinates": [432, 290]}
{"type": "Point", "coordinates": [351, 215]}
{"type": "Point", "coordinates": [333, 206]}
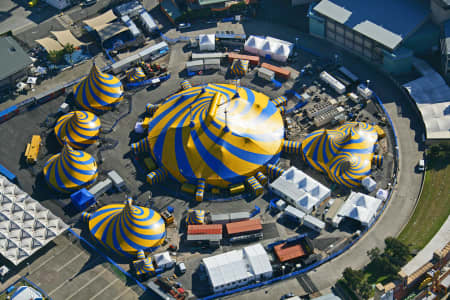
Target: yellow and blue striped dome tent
{"type": "Point", "coordinates": [79, 128]}
{"type": "Point", "coordinates": [239, 67]}
{"type": "Point", "coordinates": [98, 91]}
{"type": "Point", "coordinates": [217, 133]}
{"type": "Point", "coordinates": [70, 170]}
{"type": "Point", "coordinates": [128, 229]}
{"type": "Point", "coordinates": [143, 265]}
{"type": "Point", "coordinates": [345, 154]}
{"type": "Point", "coordinates": [195, 216]}
{"type": "Point", "coordinates": [135, 74]}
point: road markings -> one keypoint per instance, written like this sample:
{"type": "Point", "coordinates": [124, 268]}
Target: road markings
{"type": "Point", "coordinates": [87, 283]}
{"type": "Point", "coordinates": [123, 293]}
{"type": "Point", "coordinates": [103, 289]}
{"type": "Point", "coordinates": [69, 262]}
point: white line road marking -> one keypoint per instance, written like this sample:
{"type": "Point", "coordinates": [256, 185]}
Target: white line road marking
{"type": "Point", "coordinates": [123, 293]}
{"type": "Point", "coordinates": [104, 289]}
{"type": "Point", "coordinates": [87, 283]}
{"type": "Point", "coordinates": [69, 262]}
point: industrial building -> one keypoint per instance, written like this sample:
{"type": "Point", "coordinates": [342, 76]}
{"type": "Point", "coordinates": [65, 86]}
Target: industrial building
{"type": "Point", "coordinates": [378, 30]}
{"type": "Point", "coordinates": [237, 268]}
{"type": "Point", "coordinates": [15, 62]}
{"type": "Point", "coordinates": [300, 190]}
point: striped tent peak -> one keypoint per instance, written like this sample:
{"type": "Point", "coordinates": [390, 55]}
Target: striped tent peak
{"type": "Point", "coordinates": [239, 67]}
{"type": "Point", "coordinates": [80, 128]}
{"type": "Point", "coordinates": [135, 74]}
{"type": "Point", "coordinates": [98, 91]}
{"type": "Point", "coordinates": [185, 84]}
{"type": "Point", "coordinates": [195, 216]}
{"type": "Point", "coordinates": [70, 170]}
{"type": "Point", "coordinates": [218, 132]}
{"type": "Point", "coordinates": [127, 228]}
{"type": "Point", "coordinates": [85, 216]}
{"type": "Point", "coordinates": [143, 266]}
{"type": "Point", "coordinates": [345, 153]}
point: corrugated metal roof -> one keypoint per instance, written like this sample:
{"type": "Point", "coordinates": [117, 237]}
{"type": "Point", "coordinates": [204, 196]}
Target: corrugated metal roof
{"type": "Point", "coordinates": [13, 57]}
{"type": "Point", "coordinates": [244, 226]}
{"type": "Point", "coordinates": [285, 253]}
{"type": "Point", "coordinates": [205, 229]}
{"type": "Point", "coordinates": [381, 20]}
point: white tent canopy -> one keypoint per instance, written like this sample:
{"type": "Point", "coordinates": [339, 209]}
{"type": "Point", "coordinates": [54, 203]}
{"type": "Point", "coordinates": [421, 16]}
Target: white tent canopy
{"type": "Point", "coordinates": [163, 260]}
{"type": "Point", "coordinates": [254, 44]}
{"type": "Point", "coordinates": [360, 207]}
{"type": "Point", "coordinates": [66, 37]}
{"type": "Point", "coordinates": [25, 225]}
{"type": "Point", "coordinates": [50, 44]}
{"type": "Point", "coordinates": [207, 42]}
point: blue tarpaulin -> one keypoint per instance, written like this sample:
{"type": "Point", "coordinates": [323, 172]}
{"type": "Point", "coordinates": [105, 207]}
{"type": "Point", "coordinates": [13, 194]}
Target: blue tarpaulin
{"type": "Point", "coordinates": [82, 199]}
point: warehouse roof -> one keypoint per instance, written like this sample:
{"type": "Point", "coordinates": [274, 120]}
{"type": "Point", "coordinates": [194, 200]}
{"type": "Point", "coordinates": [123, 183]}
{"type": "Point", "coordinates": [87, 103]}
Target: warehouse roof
{"type": "Point", "coordinates": [379, 20]}
{"type": "Point", "coordinates": [432, 96]}
{"type": "Point", "coordinates": [14, 58]}
{"type": "Point", "coordinates": [244, 226]}
{"type": "Point", "coordinates": [285, 252]}
{"type": "Point", "coordinates": [205, 229]}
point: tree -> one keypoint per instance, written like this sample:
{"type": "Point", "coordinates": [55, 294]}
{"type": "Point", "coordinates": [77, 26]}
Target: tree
{"type": "Point", "coordinates": [374, 253]}
{"type": "Point", "coordinates": [365, 290]}
{"type": "Point", "coordinates": [396, 251]}
{"type": "Point", "coordinates": [353, 278]}
{"type": "Point", "coordinates": [69, 48]}
{"type": "Point", "coordinates": [55, 56]}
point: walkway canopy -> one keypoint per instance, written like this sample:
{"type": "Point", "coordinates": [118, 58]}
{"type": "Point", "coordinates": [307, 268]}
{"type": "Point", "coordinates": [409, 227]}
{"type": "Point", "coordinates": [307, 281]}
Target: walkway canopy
{"type": "Point", "coordinates": [98, 91]}
{"type": "Point", "coordinates": [70, 170]}
{"type": "Point", "coordinates": [345, 154]}
{"type": "Point", "coordinates": [99, 21]}
{"type": "Point", "coordinates": [128, 229]}
{"type": "Point", "coordinates": [50, 44]}
{"type": "Point", "coordinates": [80, 128]}
{"type": "Point", "coordinates": [219, 133]}
{"type": "Point", "coordinates": [66, 37]}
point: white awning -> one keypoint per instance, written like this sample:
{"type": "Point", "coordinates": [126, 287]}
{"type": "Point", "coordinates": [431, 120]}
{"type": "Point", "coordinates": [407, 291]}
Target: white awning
{"type": "Point", "coordinates": [99, 21]}
{"type": "Point", "coordinates": [50, 44]}
{"type": "Point", "coordinates": [66, 37]}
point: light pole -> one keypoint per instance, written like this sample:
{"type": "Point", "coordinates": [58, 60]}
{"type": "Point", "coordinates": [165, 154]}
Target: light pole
{"type": "Point", "coordinates": [367, 81]}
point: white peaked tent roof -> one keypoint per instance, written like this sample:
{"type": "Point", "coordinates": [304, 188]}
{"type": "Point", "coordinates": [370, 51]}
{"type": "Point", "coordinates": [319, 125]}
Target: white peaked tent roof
{"type": "Point", "coordinates": [254, 44]}
{"type": "Point", "coordinates": [360, 207]}
{"type": "Point", "coordinates": [25, 225]}
{"type": "Point", "coordinates": [207, 42]}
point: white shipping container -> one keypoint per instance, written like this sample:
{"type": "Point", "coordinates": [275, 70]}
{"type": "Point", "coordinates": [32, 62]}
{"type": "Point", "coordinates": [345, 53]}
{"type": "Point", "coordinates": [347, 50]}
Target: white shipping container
{"type": "Point", "coordinates": [100, 188]}
{"type": "Point", "coordinates": [194, 66]}
{"type": "Point", "coordinates": [333, 82]}
{"type": "Point", "coordinates": [211, 64]}
{"type": "Point", "coordinates": [266, 74]}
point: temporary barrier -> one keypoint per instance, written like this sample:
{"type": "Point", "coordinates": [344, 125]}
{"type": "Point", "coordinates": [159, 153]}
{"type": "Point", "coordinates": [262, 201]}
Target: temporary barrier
{"type": "Point", "coordinates": [255, 186]}
{"type": "Point", "coordinates": [156, 176]}
{"type": "Point", "coordinates": [297, 106]}
{"type": "Point", "coordinates": [261, 178]}
{"type": "Point", "coordinates": [276, 84]}
{"type": "Point", "coordinates": [200, 190]}
{"type": "Point", "coordinates": [141, 146]}
{"type": "Point", "coordinates": [8, 174]}
{"type": "Point", "coordinates": [291, 147]}
{"type": "Point", "coordinates": [280, 101]}
{"type": "Point", "coordinates": [274, 171]}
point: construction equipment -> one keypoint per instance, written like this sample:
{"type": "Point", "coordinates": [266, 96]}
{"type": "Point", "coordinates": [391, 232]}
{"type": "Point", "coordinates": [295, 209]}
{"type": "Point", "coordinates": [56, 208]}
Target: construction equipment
{"type": "Point", "coordinates": [32, 149]}
{"type": "Point", "coordinates": [167, 216]}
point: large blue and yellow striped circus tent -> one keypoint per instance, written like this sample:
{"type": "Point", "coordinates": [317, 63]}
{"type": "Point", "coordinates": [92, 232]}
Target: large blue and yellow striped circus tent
{"type": "Point", "coordinates": [217, 133]}
{"type": "Point", "coordinates": [135, 74]}
{"type": "Point", "coordinates": [98, 91]}
{"type": "Point", "coordinates": [127, 228]}
{"type": "Point", "coordinates": [345, 154]}
{"type": "Point", "coordinates": [70, 170]}
{"type": "Point", "coordinates": [79, 128]}
{"type": "Point", "coordinates": [239, 68]}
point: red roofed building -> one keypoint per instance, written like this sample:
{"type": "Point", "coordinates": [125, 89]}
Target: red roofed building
{"type": "Point", "coordinates": [212, 232]}
{"type": "Point", "coordinates": [286, 253]}
{"type": "Point", "coordinates": [244, 227]}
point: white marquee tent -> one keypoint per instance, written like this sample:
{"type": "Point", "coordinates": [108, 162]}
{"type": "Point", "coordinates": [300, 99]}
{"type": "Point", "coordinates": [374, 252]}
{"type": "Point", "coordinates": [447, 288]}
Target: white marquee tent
{"type": "Point", "coordinates": [207, 42]}
{"type": "Point", "coordinates": [360, 207]}
{"type": "Point", "coordinates": [254, 44]}
{"type": "Point", "coordinates": [25, 225]}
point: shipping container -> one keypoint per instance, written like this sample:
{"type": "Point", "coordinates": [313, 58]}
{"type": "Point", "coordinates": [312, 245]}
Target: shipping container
{"type": "Point", "coordinates": [281, 72]}
{"type": "Point", "coordinates": [253, 60]}
{"type": "Point", "coordinates": [244, 227]}
{"type": "Point", "coordinates": [266, 74]}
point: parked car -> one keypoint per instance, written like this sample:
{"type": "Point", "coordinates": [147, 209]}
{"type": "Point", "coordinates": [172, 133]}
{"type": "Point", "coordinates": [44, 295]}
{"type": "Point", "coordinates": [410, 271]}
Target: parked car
{"type": "Point", "coordinates": [87, 3]}
{"type": "Point", "coordinates": [421, 165]}
{"type": "Point", "coordinates": [181, 268]}
{"type": "Point", "coordinates": [184, 25]}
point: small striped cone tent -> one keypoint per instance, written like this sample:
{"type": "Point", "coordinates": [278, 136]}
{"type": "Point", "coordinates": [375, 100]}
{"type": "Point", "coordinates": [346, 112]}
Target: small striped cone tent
{"type": "Point", "coordinates": [70, 170]}
{"type": "Point", "coordinates": [135, 75]}
{"type": "Point", "coordinates": [79, 128]}
{"type": "Point", "coordinates": [98, 91]}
